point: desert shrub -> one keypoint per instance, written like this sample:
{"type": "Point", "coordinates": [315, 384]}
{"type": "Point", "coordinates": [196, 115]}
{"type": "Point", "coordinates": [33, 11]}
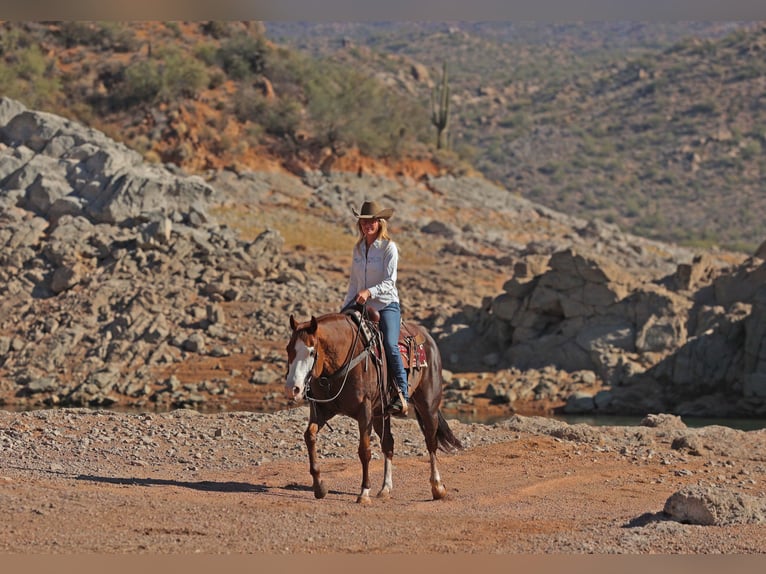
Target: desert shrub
{"type": "Point", "coordinates": [174, 28]}
{"type": "Point", "coordinates": [347, 107]}
{"type": "Point", "coordinates": [143, 83]}
{"type": "Point", "coordinates": [207, 52]}
{"type": "Point", "coordinates": [702, 108]}
{"type": "Point", "coordinates": [217, 29]}
{"type": "Point", "coordinates": [288, 72]}
{"type": "Point", "coordinates": [161, 79]}
{"type": "Point", "coordinates": [182, 76]}
{"type": "Point", "coordinates": [28, 78]}
{"type": "Point", "coordinates": [242, 56]}
{"type": "Point", "coordinates": [280, 117]}
{"type": "Point", "coordinates": [101, 35]}
{"type": "Point", "coordinates": [30, 63]}
{"type": "Point", "coordinates": [751, 149]}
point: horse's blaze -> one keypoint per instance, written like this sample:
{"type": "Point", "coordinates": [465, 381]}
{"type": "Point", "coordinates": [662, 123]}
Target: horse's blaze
{"type": "Point", "coordinates": [300, 367]}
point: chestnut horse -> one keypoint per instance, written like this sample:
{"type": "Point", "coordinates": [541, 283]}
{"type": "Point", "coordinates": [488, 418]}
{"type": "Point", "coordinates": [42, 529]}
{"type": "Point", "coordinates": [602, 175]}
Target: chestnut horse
{"type": "Point", "coordinates": [331, 366]}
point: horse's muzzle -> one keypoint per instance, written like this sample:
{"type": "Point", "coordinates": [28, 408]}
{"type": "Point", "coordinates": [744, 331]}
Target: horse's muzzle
{"type": "Point", "coordinates": [296, 393]}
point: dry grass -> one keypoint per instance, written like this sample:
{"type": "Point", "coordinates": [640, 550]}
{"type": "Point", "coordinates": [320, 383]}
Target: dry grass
{"type": "Point", "coordinates": [300, 230]}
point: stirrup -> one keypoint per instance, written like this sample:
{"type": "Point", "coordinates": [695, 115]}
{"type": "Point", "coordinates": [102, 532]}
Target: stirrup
{"type": "Point", "coordinates": [398, 408]}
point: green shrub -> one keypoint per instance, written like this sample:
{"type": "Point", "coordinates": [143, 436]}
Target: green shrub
{"type": "Point", "coordinates": [280, 117]}
{"type": "Point", "coordinates": [217, 29]}
{"type": "Point", "coordinates": [207, 52]}
{"type": "Point", "coordinates": [347, 107]}
{"type": "Point", "coordinates": [102, 35]}
{"type": "Point", "coordinates": [162, 79]}
{"type": "Point", "coordinates": [182, 76]}
{"type": "Point", "coordinates": [751, 150]}
{"type": "Point", "coordinates": [143, 83]}
{"type": "Point", "coordinates": [250, 105]}
{"type": "Point", "coordinates": [29, 79]}
{"type": "Point", "coordinates": [702, 108]}
{"type": "Point", "coordinates": [174, 28]}
{"type": "Point", "coordinates": [242, 56]}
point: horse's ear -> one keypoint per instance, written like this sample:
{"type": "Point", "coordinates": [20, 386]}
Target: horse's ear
{"type": "Point", "coordinates": [293, 324]}
{"type": "Point", "coordinates": [313, 327]}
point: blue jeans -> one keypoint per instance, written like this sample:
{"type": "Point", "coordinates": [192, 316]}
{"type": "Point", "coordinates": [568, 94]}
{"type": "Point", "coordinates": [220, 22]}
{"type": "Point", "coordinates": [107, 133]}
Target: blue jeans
{"type": "Point", "coordinates": [390, 321]}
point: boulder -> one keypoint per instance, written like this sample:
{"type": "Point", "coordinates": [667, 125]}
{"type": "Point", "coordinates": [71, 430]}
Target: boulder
{"type": "Point", "coordinates": [712, 506]}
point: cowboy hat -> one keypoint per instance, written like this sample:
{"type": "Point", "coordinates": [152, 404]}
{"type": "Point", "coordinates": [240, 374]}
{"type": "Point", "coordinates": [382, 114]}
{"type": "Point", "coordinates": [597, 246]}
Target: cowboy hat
{"type": "Point", "coordinates": [371, 210]}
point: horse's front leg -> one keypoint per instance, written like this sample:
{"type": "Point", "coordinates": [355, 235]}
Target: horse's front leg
{"type": "Point", "coordinates": [365, 454]}
{"type": "Point", "coordinates": [310, 436]}
{"type": "Point", "coordinates": [383, 428]}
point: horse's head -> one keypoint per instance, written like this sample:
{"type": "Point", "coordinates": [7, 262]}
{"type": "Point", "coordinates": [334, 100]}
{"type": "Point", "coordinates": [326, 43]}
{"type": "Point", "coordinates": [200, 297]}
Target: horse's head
{"type": "Point", "coordinates": [302, 358]}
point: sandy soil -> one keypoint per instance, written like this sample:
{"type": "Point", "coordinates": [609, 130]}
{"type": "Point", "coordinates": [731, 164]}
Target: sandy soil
{"type": "Point", "coordinates": [89, 481]}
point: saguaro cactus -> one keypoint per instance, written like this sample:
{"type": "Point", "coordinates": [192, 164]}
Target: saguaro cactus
{"type": "Point", "coordinates": [440, 108]}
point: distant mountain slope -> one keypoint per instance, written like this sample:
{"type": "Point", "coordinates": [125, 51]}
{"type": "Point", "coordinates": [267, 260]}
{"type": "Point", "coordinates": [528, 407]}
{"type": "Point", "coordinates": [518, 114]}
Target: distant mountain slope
{"type": "Point", "coordinates": [656, 127]}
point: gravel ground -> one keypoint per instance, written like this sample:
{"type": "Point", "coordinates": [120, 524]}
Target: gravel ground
{"type": "Point", "coordinates": [95, 481]}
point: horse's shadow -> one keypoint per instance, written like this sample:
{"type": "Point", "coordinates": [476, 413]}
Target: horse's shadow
{"type": "Point", "coordinates": [203, 485]}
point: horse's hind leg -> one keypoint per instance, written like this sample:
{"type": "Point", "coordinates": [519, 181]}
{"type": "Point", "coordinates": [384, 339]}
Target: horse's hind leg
{"type": "Point", "coordinates": [310, 436]}
{"type": "Point", "coordinates": [429, 425]}
{"type": "Point", "coordinates": [383, 428]}
{"type": "Point", "coordinates": [438, 491]}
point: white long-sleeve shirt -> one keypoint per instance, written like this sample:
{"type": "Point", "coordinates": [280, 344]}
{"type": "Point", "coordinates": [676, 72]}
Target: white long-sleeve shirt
{"type": "Point", "coordinates": [374, 270]}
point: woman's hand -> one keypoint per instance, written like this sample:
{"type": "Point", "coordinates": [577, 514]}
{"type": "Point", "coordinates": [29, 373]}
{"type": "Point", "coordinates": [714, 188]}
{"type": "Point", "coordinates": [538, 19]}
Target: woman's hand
{"type": "Point", "coordinates": [362, 296]}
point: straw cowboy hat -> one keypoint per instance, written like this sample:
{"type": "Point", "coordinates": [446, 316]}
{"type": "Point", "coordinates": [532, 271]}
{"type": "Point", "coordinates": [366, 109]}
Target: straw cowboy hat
{"type": "Point", "coordinates": [371, 210]}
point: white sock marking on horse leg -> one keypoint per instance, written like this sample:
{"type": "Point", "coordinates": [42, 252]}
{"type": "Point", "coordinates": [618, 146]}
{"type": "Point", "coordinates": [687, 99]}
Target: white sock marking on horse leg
{"type": "Point", "coordinates": [387, 475]}
{"type": "Point", "coordinates": [435, 478]}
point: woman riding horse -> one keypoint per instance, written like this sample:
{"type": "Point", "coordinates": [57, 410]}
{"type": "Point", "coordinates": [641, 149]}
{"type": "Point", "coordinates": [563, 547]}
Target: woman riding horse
{"type": "Point", "coordinates": [334, 368]}
{"type": "Point", "coordinates": [372, 282]}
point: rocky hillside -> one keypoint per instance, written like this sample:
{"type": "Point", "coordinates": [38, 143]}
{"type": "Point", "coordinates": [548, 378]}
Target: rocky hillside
{"type": "Point", "coordinates": [131, 284]}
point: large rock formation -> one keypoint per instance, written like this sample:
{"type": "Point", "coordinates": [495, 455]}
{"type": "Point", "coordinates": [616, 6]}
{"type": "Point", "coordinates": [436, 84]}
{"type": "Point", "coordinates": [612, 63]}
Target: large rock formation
{"type": "Point", "coordinates": [691, 342]}
{"type": "Point", "coordinates": [109, 267]}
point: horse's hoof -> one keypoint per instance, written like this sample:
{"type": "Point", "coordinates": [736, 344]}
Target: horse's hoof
{"type": "Point", "coordinates": [320, 491]}
{"type": "Point", "coordinates": [384, 494]}
{"type": "Point", "coordinates": [438, 491]}
{"type": "Point", "coordinates": [363, 500]}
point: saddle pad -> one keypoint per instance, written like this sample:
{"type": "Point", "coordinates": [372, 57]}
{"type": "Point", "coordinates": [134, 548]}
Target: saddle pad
{"type": "Point", "coordinates": [419, 355]}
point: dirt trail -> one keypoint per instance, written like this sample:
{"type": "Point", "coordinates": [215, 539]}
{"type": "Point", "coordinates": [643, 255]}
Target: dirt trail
{"type": "Point", "coordinates": [80, 481]}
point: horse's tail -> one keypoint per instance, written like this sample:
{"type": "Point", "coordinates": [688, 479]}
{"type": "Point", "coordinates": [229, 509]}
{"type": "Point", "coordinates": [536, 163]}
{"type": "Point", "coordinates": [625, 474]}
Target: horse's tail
{"type": "Point", "coordinates": [445, 439]}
